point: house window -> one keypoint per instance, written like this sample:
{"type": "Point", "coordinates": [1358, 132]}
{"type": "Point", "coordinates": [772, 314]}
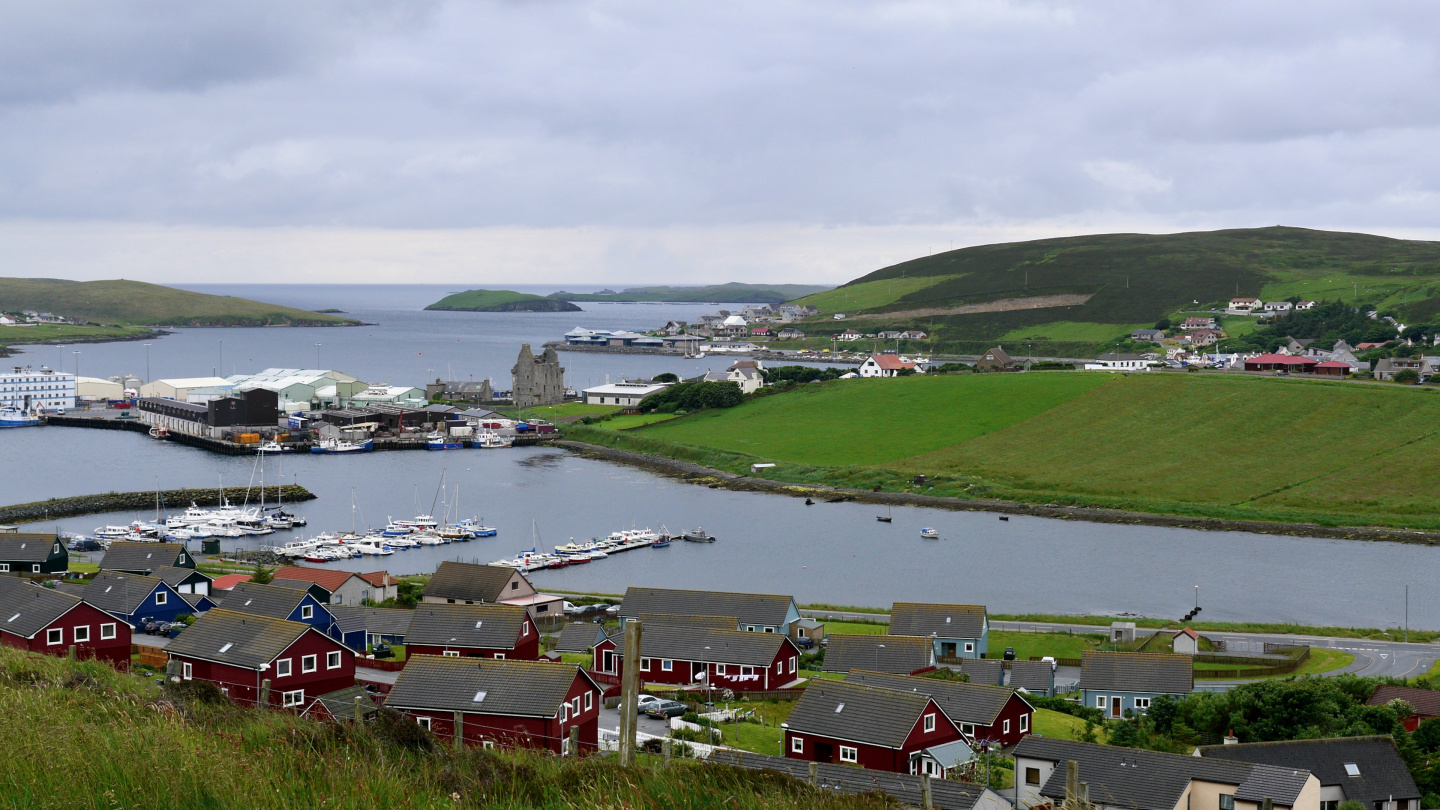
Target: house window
{"type": "Point", "coordinates": [487, 744]}
{"type": "Point", "coordinates": [779, 667]}
{"type": "Point", "coordinates": [589, 700]}
{"type": "Point", "coordinates": [1227, 801]}
{"type": "Point", "coordinates": [769, 629]}
{"type": "Point", "coordinates": [644, 664]}
{"type": "Point", "coordinates": [1142, 705]}
{"type": "Point", "coordinates": [666, 665]}
{"type": "Point", "coordinates": [747, 671]}
{"type": "Point", "coordinates": [847, 754]}
{"type": "Point", "coordinates": [750, 628]}
{"type": "Point", "coordinates": [161, 597]}
{"type": "Point", "coordinates": [332, 660]}
{"type": "Point", "coordinates": [82, 633]}
{"type": "Point", "coordinates": [929, 722]}
{"type": "Point", "coordinates": [451, 653]}
{"type": "Point", "coordinates": [1006, 728]}
{"type": "Point", "coordinates": [1024, 723]}
{"type": "Point", "coordinates": [107, 631]}
{"type": "Point", "coordinates": [797, 745]}
{"type": "Point", "coordinates": [970, 646]}
{"type": "Point", "coordinates": [792, 665]}
{"type": "Point", "coordinates": [719, 669]}
{"type": "Point", "coordinates": [35, 569]}
{"type": "Point", "coordinates": [55, 636]}
{"type": "Point", "coordinates": [423, 722]}
{"type": "Point", "coordinates": [564, 712]}
{"type": "Point", "coordinates": [575, 706]}
{"type": "Point", "coordinates": [607, 661]}
{"type": "Point", "coordinates": [1032, 776]}
{"type": "Point", "coordinates": [282, 668]}
{"type": "Point", "coordinates": [307, 612]}
{"type": "Point", "coordinates": [1099, 701]}
{"type": "Point", "coordinates": [1334, 804]}
{"type": "Point", "coordinates": [525, 628]}
{"type": "Point", "coordinates": [186, 671]}
{"type": "Point", "coordinates": [309, 663]}
{"type": "Point", "coordinates": [515, 586]}
{"type": "Point", "coordinates": [4, 568]}
{"type": "Point", "coordinates": [968, 729]}
{"type": "Point", "coordinates": [293, 698]}
{"type": "Point", "coordinates": [499, 656]}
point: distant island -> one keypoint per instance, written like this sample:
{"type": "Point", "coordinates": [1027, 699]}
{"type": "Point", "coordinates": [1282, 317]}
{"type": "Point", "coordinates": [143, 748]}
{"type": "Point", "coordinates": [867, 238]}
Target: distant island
{"type": "Point", "coordinates": [120, 302]}
{"type": "Point", "coordinates": [732, 293]}
{"type": "Point", "coordinates": [501, 301]}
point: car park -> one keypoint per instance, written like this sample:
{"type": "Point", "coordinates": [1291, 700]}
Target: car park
{"type": "Point", "coordinates": [664, 709]}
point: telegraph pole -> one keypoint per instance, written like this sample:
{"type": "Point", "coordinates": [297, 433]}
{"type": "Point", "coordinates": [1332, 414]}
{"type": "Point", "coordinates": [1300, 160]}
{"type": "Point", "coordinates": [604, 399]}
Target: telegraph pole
{"type": "Point", "coordinates": [629, 693]}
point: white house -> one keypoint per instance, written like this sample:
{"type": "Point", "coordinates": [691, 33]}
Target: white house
{"type": "Point", "coordinates": [849, 335]}
{"type": "Point", "coordinates": [888, 365]}
{"type": "Point", "coordinates": [1244, 306]}
{"type": "Point", "coordinates": [1304, 304]}
{"type": "Point", "coordinates": [1278, 306]}
{"type": "Point", "coordinates": [1110, 361]}
{"type": "Point", "coordinates": [625, 394]}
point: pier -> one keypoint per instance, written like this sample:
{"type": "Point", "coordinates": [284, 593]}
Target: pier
{"type": "Point", "coordinates": [141, 501]}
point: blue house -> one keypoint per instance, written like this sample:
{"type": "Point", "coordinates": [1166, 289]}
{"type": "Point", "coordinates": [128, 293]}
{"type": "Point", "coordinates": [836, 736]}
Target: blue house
{"type": "Point", "coordinates": [1120, 683]}
{"type": "Point", "coordinates": [291, 604]}
{"type": "Point", "coordinates": [135, 598]}
{"type": "Point", "coordinates": [957, 631]}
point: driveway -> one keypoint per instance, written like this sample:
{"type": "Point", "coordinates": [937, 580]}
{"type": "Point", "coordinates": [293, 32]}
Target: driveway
{"type": "Point", "coordinates": [610, 718]}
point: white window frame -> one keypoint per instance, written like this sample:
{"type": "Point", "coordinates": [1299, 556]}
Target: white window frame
{"type": "Point", "coordinates": [746, 670]}
{"type": "Point", "coordinates": [792, 665]}
{"type": "Point", "coordinates": [525, 628]}
{"type": "Point", "coordinates": [75, 633]}
{"type": "Point", "coordinates": [161, 597]}
{"type": "Point", "coordinates": [719, 669]}
{"type": "Point", "coordinates": [294, 697]}
{"type": "Point", "coordinates": [333, 656]}
{"type": "Point", "coordinates": [968, 729]}
{"type": "Point", "coordinates": [309, 663]}
{"type": "Point", "coordinates": [564, 712]}
{"type": "Point", "coordinates": [797, 745]}
{"type": "Point", "coordinates": [779, 667]}
{"type": "Point", "coordinates": [1141, 705]}
{"type": "Point", "coordinates": [55, 635]}
{"type": "Point", "coordinates": [589, 700]}
{"type": "Point", "coordinates": [1101, 702]}
{"type": "Point", "coordinates": [307, 612]}
{"type": "Point", "coordinates": [1005, 729]}
{"type": "Point", "coordinates": [283, 668]}
{"type": "Point", "coordinates": [107, 631]}
{"type": "Point", "coordinates": [487, 743]}
{"type": "Point", "coordinates": [451, 654]}
{"type": "Point", "coordinates": [35, 569]}
{"type": "Point", "coordinates": [499, 656]}
{"type": "Point", "coordinates": [423, 722]}
{"type": "Point", "coordinates": [4, 568]}
{"type": "Point", "coordinates": [187, 670]}
{"type": "Point", "coordinates": [667, 665]}
{"type": "Point", "coordinates": [929, 722]}
{"type": "Point", "coordinates": [644, 664]}
{"type": "Point", "coordinates": [1024, 723]}
{"type": "Point", "coordinates": [575, 707]}
{"type": "Point", "coordinates": [848, 754]}
{"type": "Point", "coordinates": [970, 646]}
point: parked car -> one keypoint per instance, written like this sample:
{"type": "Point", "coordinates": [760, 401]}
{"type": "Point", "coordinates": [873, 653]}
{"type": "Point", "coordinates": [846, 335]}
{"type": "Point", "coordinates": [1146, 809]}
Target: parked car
{"type": "Point", "coordinates": [383, 651]}
{"type": "Point", "coordinates": [570, 608]}
{"type": "Point", "coordinates": [646, 700]}
{"type": "Point", "coordinates": [1009, 653]}
{"type": "Point", "coordinates": [86, 544]}
{"type": "Point", "coordinates": [665, 709]}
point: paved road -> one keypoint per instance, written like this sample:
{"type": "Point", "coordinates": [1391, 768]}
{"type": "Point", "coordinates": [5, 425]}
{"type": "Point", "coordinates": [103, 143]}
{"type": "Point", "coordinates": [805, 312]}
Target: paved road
{"type": "Point", "coordinates": [610, 718]}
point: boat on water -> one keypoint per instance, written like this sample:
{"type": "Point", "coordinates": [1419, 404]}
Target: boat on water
{"type": "Point", "coordinates": [159, 432]}
{"type": "Point", "coordinates": [489, 439]}
{"type": "Point", "coordinates": [928, 533]}
{"type": "Point", "coordinates": [697, 535]}
{"type": "Point", "coordinates": [10, 417]}
{"type": "Point", "coordinates": [663, 541]}
{"type": "Point", "coordinates": [438, 441]}
{"type": "Point", "coordinates": [342, 446]}
{"type": "Point", "coordinates": [476, 528]}
{"type": "Point", "coordinates": [272, 446]}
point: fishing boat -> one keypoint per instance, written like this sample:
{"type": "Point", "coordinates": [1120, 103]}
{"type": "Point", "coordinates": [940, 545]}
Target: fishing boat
{"type": "Point", "coordinates": [342, 446]}
{"type": "Point", "coordinates": [11, 416]}
{"type": "Point", "coordinates": [489, 439]}
{"type": "Point", "coordinates": [928, 533]}
{"type": "Point", "coordinates": [372, 546]}
{"type": "Point", "coordinates": [272, 446]}
{"type": "Point", "coordinates": [697, 536]}
{"type": "Point", "coordinates": [111, 533]}
{"type": "Point", "coordinates": [438, 441]}
{"type": "Point", "coordinates": [476, 528]}
{"type": "Point", "coordinates": [159, 432]}
{"type": "Point", "coordinates": [663, 541]}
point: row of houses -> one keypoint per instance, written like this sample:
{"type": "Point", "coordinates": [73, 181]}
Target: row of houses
{"type": "Point", "coordinates": [1254, 306]}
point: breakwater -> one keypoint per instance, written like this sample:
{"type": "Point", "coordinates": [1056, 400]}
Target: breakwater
{"type": "Point", "coordinates": [172, 499]}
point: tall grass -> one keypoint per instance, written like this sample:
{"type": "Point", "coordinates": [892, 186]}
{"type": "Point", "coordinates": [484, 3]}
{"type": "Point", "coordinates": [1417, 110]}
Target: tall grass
{"type": "Point", "coordinates": [81, 735]}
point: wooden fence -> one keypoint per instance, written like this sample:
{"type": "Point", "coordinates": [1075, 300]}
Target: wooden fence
{"type": "Point", "coordinates": [382, 664]}
{"type": "Point", "coordinates": [1254, 672]}
{"type": "Point", "coordinates": [153, 657]}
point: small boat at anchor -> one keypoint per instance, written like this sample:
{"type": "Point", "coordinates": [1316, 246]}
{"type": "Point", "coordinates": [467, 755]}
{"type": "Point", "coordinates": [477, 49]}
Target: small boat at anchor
{"type": "Point", "coordinates": [928, 533]}
{"type": "Point", "coordinates": [697, 535]}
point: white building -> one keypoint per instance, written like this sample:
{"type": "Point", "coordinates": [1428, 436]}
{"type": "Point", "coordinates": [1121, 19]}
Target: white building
{"type": "Point", "coordinates": [94, 389]}
{"type": "Point", "coordinates": [389, 394]}
{"type": "Point", "coordinates": [1244, 306]}
{"type": "Point", "coordinates": [180, 387]}
{"type": "Point", "coordinates": [745, 373]}
{"type": "Point", "coordinates": [45, 389]}
{"type": "Point", "coordinates": [1110, 361]}
{"type": "Point", "coordinates": [888, 365]}
{"type": "Point", "coordinates": [624, 394]}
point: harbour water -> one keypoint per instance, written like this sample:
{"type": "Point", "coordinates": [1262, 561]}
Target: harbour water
{"type": "Point", "coordinates": [834, 553]}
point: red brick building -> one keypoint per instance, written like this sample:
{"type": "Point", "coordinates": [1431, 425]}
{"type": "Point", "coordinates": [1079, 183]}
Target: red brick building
{"type": "Point", "coordinates": [686, 655]}
{"type": "Point", "coordinates": [512, 703]}
{"type": "Point", "coordinates": [473, 631]}
{"type": "Point", "coordinates": [881, 729]}
{"type": "Point", "coordinates": [984, 713]}
{"type": "Point", "coordinates": [238, 652]}
{"type": "Point", "coordinates": [44, 620]}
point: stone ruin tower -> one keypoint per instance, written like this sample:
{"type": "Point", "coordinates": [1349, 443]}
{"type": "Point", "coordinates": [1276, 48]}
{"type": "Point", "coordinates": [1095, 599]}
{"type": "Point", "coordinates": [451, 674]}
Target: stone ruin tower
{"type": "Point", "coordinates": [537, 380]}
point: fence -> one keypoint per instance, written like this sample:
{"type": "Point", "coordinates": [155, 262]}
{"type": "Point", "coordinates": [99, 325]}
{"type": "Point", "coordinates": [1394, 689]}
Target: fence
{"type": "Point", "coordinates": [153, 657]}
{"type": "Point", "coordinates": [382, 664]}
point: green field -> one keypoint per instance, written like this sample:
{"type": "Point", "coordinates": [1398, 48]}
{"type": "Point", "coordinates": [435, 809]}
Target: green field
{"type": "Point", "coordinates": [136, 303]}
{"type": "Point", "coordinates": [1195, 444]}
{"type": "Point", "coordinates": [1071, 332]}
{"type": "Point", "coordinates": [563, 411]}
{"type": "Point", "coordinates": [1320, 661]}
{"type": "Point", "coordinates": [1039, 645]}
{"type": "Point", "coordinates": [1050, 723]}
{"type": "Point", "coordinates": [66, 333]}
{"type": "Point", "coordinates": [867, 295]}
{"type": "Point", "coordinates": [501, 301]}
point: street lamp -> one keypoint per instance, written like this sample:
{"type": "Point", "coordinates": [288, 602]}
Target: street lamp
{"type": "Point", "coordinates": [77, 366]}
{"type": "Point", "coordinates": [317, 355]}
{"type": "Point", "coordinates": [878, 648]}
{"type": "Point", "coordinates": [147, 362]}
{"type": "Point", "coordinates": [222, 357]}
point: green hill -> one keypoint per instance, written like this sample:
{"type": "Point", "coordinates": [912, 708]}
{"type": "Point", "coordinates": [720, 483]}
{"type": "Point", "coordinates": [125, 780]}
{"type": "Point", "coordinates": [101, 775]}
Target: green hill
{"type": "Point", "coordinates": [1213, 445]}
{"type": "Point", "coordinates": [501, 301]}
{"type": "Point", "coordinates": [732, 293]}
{"type": "Point", "coordinates": [136, 303]}
{"type": "Point", "coordinates": [1079, 292]}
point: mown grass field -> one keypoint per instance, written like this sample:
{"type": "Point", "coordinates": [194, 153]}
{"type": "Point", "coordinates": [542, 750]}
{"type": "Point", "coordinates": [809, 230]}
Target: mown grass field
{"type": "Point", "coordinates": [1320, 661]}
{"type": "Point", "coordinates": [1050, 723]}
{"type": "Point", "coordinates": [136, 303]}
{"type": "Point", "coordinates": [1337, 453]}
{"type": "Point", "coordinates": [59, 332]}
{"type": "Point", "coordinates": [1069, 332]}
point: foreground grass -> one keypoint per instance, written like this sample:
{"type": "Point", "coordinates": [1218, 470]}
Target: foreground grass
{"type": "Point", "coordinates": [127, 744]}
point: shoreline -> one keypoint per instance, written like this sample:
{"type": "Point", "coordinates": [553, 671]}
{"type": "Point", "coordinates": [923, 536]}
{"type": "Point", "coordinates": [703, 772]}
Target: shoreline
{"type": "Point", "coordinates": [709, 476]}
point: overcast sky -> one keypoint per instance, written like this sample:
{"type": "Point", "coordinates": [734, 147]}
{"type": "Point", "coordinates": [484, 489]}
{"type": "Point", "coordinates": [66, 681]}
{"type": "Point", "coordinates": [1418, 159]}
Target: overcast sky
{"type": "Point", "coordinates": [668, 141]}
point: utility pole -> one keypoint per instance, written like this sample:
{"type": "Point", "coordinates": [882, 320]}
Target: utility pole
{"type": "Point", "coordinates": [629, 693]}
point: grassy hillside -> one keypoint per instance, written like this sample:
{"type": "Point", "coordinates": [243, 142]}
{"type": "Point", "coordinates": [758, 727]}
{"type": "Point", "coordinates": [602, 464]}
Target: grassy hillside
{"type": "Point", "coordinates": [732, 293]}
{"type": "Point", "coordinates": [501, 301]}
{"type": "Point", "coordinates": [136, 303]}
{"type": "Point", "coordinates": [1194, 444]}
{"type": "Point", "coordinates": [1115, 281]}
{"type": "Point", "coordinates": [89, 737]}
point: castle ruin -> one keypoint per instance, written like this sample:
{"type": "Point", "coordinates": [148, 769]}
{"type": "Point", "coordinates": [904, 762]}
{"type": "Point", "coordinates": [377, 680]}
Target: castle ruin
{"type": "Point", "coordinates": [537, 380]}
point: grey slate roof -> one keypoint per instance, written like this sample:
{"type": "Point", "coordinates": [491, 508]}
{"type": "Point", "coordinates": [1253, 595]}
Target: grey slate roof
{"type": "Point", "coordinates": [240, 639]}
{"type": "Point", "coordinates": [1156, 673]}
{"type": "Point", "coordinates": [1032, 676]}
{"type": "Point", "coordinates": [320, 592]}
{"type": "Point", "coordinates": [144, 558]}
{"type": "Point", "coordinates": [901, 655]}
{"type": "Point", "coordinates": [964, 702]}
{"type": "Point", "coordinates": [1383, 773]}
{"type": "Point", "coordinates": [1150, 780]}
{"type": "Point", "coordinates": [750, 608]}
{"type": "Point", "coordinates": [341, 703]}
{"type": "Point", "coordinates": [32, 548]}
{"type": "Point", "coordinates": [679, 643]}
{"type": "Point", "coordinates": [693, 622]}
{"type": "Point", "coordinates": [26, 608]}
{"type": "Point", "coordinates": [380, 621]}
{"type": "Point", "coordinates": [119, 592]}
{"type": "Point", "coordinates": [173, 576]}
{"type": "Point", "coordinates": [579, 637]}
{"type": "Point", "coordinates": [469, 582]}
{"type": "Point", "coordinates": [941, 621]}
{"type": "Point", "coordinates": [984, 670]}
{"type": "Point", "coordinates": [492, 626]}
{"type": "Point", "coordinates": [856, 712]}
{"type": "Point", "coordinates": [947, 794]}
{"type": "Point", "coordinates": [513, 688]}
{"type": "Point", "coordinates": [277, 602]}
{"type": "Point", "coordinates": [194, 600]}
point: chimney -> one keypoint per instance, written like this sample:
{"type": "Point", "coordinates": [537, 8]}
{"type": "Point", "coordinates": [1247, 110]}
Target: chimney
{"type": "Point", "coordinates": [1230, 738]}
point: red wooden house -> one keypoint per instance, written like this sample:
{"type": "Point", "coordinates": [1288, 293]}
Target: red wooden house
{"type": "Point", "coordinates": [513, 703]}
{"type": "Point", "coordinates": [984, 713]}
{"type": "Point", "coordinates": [686, 655]}
{"type": "Point", "coordinates": [881, 729]}
{"type": "Point", "coordinates": [471, 631]}
{"type": "Point", "coordinates": [47, 621]}
{"type": "Point", "coordinates": [238, 652]}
